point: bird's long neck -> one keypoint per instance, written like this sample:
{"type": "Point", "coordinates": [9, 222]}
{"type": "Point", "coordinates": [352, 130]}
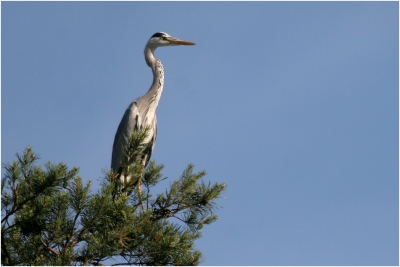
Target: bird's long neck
{"type": "Point", "coordinates": [154, 93]}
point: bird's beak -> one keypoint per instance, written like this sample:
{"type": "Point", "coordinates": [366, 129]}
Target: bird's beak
{"type": "Point", "coordinates": [179, 41]}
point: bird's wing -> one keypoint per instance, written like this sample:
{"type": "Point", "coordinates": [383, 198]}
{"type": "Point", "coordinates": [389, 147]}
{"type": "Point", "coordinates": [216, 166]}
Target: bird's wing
{"type": "Point", "coordinates": [128, 124]}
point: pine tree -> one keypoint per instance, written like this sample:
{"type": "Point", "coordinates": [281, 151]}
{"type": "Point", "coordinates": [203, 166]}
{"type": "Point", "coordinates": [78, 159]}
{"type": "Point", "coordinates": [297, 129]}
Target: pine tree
{"type": "Point", "coordinates": [50, 217]}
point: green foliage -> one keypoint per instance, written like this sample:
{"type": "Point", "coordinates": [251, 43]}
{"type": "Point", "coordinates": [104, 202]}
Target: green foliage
{"type": "Point", "coordinates": [50, 217]}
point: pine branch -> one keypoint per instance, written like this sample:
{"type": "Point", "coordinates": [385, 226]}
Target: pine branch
{"type": "Point", "coordinates": [4, 250]}
{"type": "Point", "coordinates": [50, 222]}
{"type": "Point", "coordinates": [49, 248]}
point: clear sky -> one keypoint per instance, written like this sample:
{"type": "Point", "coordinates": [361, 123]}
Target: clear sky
{"type": "Point", "coordinates": [294, 105]}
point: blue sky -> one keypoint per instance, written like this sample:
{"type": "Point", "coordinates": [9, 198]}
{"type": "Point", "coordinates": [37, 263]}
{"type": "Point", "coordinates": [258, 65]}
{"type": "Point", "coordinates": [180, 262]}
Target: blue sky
{"type": "Point", "coordinates": [293, 104]}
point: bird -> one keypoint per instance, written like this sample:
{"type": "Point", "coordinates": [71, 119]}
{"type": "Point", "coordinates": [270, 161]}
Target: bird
{"type": "Point", "coordinates": [141, 112]}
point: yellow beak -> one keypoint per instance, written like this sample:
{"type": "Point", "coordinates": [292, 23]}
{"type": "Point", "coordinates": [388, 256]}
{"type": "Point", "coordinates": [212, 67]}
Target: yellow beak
{"type": "Point", "coordinates": [179, 41]}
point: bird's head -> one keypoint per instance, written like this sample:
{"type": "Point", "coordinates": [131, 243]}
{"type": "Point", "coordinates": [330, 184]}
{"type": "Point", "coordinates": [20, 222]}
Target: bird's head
{"type": "Point", "coordinates": [164, 39]}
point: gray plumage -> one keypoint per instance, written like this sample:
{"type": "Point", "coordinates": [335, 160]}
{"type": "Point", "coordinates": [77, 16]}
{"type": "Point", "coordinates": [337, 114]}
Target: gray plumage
{"type": "Point", "coordinates": [142, 111]}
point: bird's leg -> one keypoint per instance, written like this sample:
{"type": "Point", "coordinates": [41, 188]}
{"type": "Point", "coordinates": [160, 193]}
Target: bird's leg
{"type": "Point", "coordinates": [115, 177]}
{"type": "Point", "coordinates": [140, 182]}
{"type": "Point", "coordinates": [140, 193]}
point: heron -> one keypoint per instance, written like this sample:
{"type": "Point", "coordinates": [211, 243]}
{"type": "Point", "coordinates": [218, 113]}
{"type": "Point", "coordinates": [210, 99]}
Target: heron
{"type": "Point", "coordinates": [141, 112]}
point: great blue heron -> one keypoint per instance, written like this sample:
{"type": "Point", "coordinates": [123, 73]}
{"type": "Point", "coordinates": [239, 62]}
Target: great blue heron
{"type": "Point", "coordinates": [142, 111]}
